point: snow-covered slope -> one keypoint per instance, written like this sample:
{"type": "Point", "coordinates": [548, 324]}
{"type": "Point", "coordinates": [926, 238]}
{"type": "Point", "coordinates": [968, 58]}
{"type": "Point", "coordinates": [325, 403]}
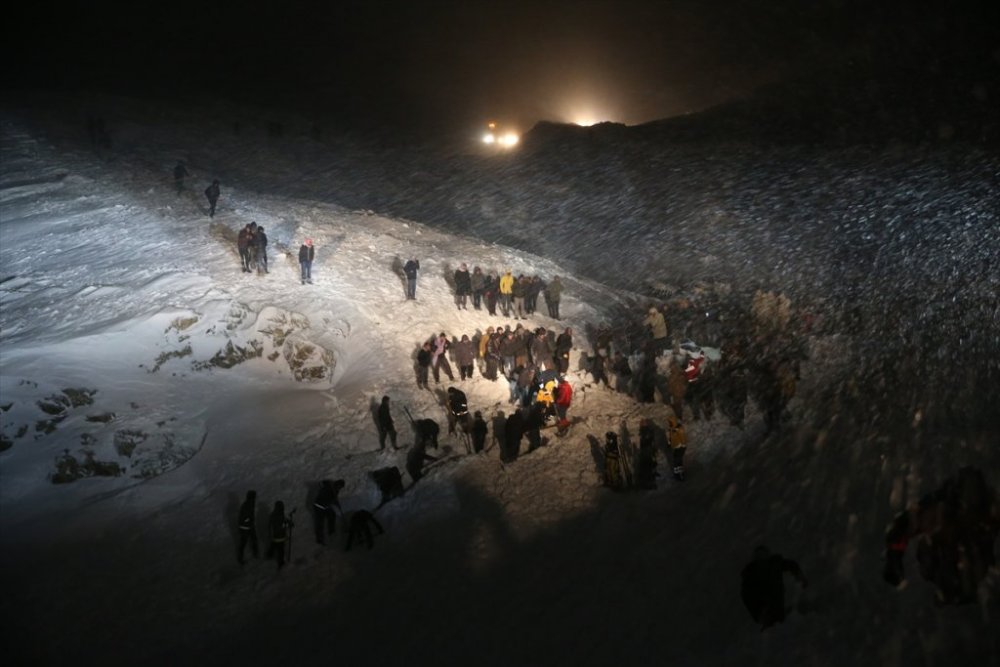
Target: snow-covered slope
{"type": "Point", "coordinates": [131, 338]}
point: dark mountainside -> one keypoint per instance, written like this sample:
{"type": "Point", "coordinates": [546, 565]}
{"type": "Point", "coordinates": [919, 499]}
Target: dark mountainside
{"type": "Point", "coordinates": [882, 221]}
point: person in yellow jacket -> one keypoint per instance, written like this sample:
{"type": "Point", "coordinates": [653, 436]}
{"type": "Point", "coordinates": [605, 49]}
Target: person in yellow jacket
{"type": "Point", "coordinates": [678, 445]}
{"type": "Point", "coordinates": [506, 292]}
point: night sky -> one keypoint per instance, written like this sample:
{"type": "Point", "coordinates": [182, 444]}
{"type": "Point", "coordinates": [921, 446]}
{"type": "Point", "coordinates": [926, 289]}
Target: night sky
{"type": "Point", "coordinates": [446, 62]}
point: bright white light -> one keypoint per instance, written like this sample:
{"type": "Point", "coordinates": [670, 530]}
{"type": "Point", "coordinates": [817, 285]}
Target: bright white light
{"type": "Point", "coordinates": [509, 139]}
{"type": "Point", "coordinates": [489, 138]}
{"type": "Point", "coordinates": [585, 122]}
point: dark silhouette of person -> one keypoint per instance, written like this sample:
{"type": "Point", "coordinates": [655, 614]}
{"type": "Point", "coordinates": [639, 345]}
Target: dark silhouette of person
{"type": "Point", "coordinates": [212, 192]}
{"type": "Point", "coordinates": [763, 586]}
{"type": "Point", "coordinates": [280, 526]}
{"type": "Point", "coordinates": [247, 525]}
{"type": "Point", "coordinates": [410, 269]}
{"type": "Point", "coordinates": [415, 460]}
{"type": "Point", "coordinates": [361, 523]}
{"type": "Point", "coordinates": [479, 429]}
{"type": "Point", "coordinates": [389, 482]}
{"type": "Point", "coordinates": [325, 508]}
{"type": "Point", "coordinates": [180, 172]}
{"type": "Point", "coordinates": [385, 424]}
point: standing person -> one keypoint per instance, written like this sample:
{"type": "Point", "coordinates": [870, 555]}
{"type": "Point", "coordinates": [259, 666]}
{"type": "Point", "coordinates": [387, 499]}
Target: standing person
{"type": "Point", "coordinates": [678, 445]}
{"type": "Point", "coordinates": [763, 586]}
{"type": "Point", "coordinates": [513, 431]}
{"type": "Point", "coordinates": [463, 287]}
{"type": "Point", "coordinates": [417, 455]}
{"type": "Point", "coordinates": [614, 476]}
{"type": "Point", "coordinates": [280, 526]}
{"type": "Point", "coordinates": [493, 354]}
{"type": "Point", "coordinates": [243, 245]}
{"type": "Point", "coordinates": [563, 399]}
{"type": "Point", "coordinates": [248, 526]}
{"type": "Point", "coordinates": [260, 243]}
{"type": "Point", "coordinates": [325, 508]}
{"type": "Point", "coordinates": [520, 291]}
{"type": "Point", "coordinates": [212, 192]}
{"type": "Point", "coordinates": [647, 455]}
{"type": "Point", "coordinates": [465, 357]}
{"type": "Point", "coordinates": [478, 432]}
{"type": "Point", "coordinates": [677, 385]}
{"type": "Point", "coordinates": [425, 357]}
{"type": "Point", "coordinates": [490, 288]}
{"type": "Point", "coordinates": [386, 427]}
{"type": "Point", "coordinates": [506, 292]}
{"type": "Point", "coordinates": [478, 283]}
{"type": "Point", "coordinates": [306, 255]}
{"type": "Point", "coordinates": [598, 368]}
{"type": "Point", "coordinates": [180, 172]}
{"type": "Point", "coordinates": [658, 329]}
{"type": "Point", "coordinates": [360, 527]}
{"type": "Point", "coordinates": [541, 353]}
{"type": "Point", "coordinates": [553, 293]}
{"type": "Point", "coordinates": [564, 343]}
{"type": "Point", "coordinates": [410, 269]}
{"type": "Point", "coordinates": [441, 347]}
{"type": "Point", "coordinates": [534, 287]}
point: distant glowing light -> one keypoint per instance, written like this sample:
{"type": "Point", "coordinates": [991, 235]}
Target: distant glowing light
{"type": "Point", "coordinates": [509, 139]}
{"type": "Point", "coordinates": [493, 137]}
{"type": "Point", "coordinates": [585, 122]}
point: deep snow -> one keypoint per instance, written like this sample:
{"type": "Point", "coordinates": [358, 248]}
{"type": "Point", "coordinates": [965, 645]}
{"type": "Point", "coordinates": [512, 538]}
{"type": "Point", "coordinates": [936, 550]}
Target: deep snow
{"type": "Point", "coordinates": [108, 274]}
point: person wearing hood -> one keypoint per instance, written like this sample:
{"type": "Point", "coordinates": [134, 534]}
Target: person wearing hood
{"type": "Point", "coordinates": [306, 255]}
{"type": "Point", "coordinates": [506, 292]}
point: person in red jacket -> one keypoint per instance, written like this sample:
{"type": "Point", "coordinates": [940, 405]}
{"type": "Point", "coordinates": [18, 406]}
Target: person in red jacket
{"type": "Point", "coordinates": [564, 396]}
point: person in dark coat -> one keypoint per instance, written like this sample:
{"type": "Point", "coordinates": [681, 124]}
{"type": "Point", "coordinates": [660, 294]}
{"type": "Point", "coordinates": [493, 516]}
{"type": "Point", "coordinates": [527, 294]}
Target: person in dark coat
{"type": "Point", "coordinates": [478, 432]}
{"type": "Point", "coordinates": [248, 526]}
{"type": "Point", "coordinates": [260, 244]}
{"type": "Point", "coordinates": [564, 343]}
{"type": "Point", "coordinates": [389, 482]}
{"type": "Point", "coordinates": [425, 357]}
{"type": "Point", "coordinates": [478, 283]}
{"type": "Point", "coordinates": [306, 255]}
{"type": "Point", "coordinates": [180, 172]}
{"type": "Point", "coordinates": [426, 432]}
{"type": "Point", "coordinates": [647, 455]}
{"type": "Point", "coordinates": [361, 522]}
{"type": "Point", "coordinates": [763, 586]}
{"type": "Point", "coordinates": [212, 192]}
{"type": "Point", "coordinates": [410, 270]}
{"type": "Point", "coordinates": [490, 292]}
{"type": "Point", "coordinates": [463, 287]}
{"type": "Point", "coordinates": [458, 409]}
{"type": "Point", "coordinates": [325, 508]}
{"type": "Point", "coordinates": [513, 431]}
{"type": "Point", "coordinates": [243, 240]}
{"type": "Point", "coordinates": [385, 424]}
{"type": "Point", "coordinates": [533, 424]}
{"type": "Point", "coordinates": [280, 526]}
{"type": "Point", "coordinates": [553, 294]}
{"type": "Point", "coordinates": [416, 457]}
{"type": "Point", "coordinates": [465, 357]}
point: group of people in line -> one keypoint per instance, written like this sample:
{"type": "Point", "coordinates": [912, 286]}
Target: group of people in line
{"type": "Point", "coordinates": [515, 297]}
{"type": "Point", "coordinates": [325, 509]}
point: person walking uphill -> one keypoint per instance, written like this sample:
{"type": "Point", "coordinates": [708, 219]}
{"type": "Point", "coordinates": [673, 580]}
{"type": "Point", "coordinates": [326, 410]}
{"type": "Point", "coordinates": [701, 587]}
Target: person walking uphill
{"type": "Point", "coordinates": [410, 270]}
{"type": "Point", "coordinates": [306, 255]}
{"type": "Point", "coordinates": [212, 192]}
